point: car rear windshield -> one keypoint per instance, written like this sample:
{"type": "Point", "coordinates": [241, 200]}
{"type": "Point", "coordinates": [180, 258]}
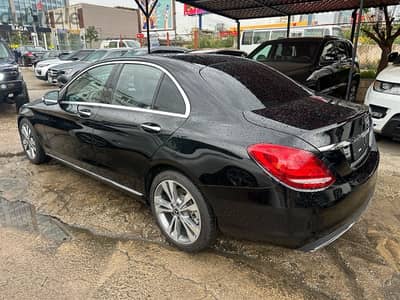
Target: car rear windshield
{"type": "Point", "coordinates": [251, 85]}
{"type": "Point", "coordinates": [96, 55]}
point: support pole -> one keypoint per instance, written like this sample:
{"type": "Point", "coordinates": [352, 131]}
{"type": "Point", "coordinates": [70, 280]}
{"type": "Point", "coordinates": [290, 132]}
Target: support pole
{"type": "Point", "coordinates": [289, 17]}
{"type": "Point", "coordinates": [200, 22]}
{"type": "Point", "coordinates": [238, 34]}
{"type": "Point", "coordinates": [353, 25]}
{"type": "Point", "coordinates": [353, 59]}
{"type": "Point", "coordinates": [148, 26]}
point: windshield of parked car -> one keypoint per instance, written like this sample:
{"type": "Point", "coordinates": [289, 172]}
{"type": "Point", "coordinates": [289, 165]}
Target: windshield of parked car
{"type": "Point", "coordinates": [33, 49]}
{"type": "Point", "coordinates": [136, 52]}
{"type": "Point", "coordinates": [95, 56]}
{"type": "Point", "coordinates": [77, 55]}
{"type": "Point", "coordinates": [296, 51]}
{"type": "Point", "coordinates": [4, 52]}
{"type": "Point", "coordinates": [132, 44]}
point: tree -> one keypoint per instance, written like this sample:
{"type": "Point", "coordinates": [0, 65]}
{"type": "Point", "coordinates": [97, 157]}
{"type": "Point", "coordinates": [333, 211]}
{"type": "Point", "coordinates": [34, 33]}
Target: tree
{"type": "Point", "coordinates": [384, 34]}
{"type": "Point", "coordinates": [91, 35]}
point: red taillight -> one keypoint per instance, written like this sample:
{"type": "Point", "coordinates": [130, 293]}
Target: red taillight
{"type": "Point", "coordinates": [294, 167]}
{"type": "Point", "coordinates": [29, 54]}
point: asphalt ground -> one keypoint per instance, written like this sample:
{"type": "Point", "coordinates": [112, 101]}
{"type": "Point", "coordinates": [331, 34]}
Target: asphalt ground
{"type": "Point", "coordinates": [66, 236]}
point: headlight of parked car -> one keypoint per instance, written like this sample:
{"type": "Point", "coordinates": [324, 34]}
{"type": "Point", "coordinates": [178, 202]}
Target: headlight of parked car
{"type": "Point", "coordinates": [42, 65]}
{"type": "Point", "coordinates": [387, 87]}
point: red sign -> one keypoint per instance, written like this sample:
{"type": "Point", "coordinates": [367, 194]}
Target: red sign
{"type": "Point", "coordinates": [189, 10]}
{"type": "Point", "coordinates": [140, 35]}
{"type": "Point", "coordinates": [223, 34]}
{"type": "Point", "coordinates": [39, 5]}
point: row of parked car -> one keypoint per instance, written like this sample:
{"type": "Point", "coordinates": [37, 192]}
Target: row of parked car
{"type": "Point", "coordinates": [321, 64]}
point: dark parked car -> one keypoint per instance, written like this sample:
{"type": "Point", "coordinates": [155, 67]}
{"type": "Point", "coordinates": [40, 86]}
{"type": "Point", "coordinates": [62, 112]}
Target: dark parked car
{"type": "Point", "coordinates": [156, 50]}
{"type": "Point", "coordinates": [12, 86]}
{"type": "Point", "coordinates": [207, 144]}
{"type": "Point", "coordinates": [50, 55]}
{"type": "Point", "coordinates": [227, 51]}
{"type": "Point", "coordinates": [68, 70]}
{"type": "Point", "coordinates": [322, 64]}
{"type": "Point", "coordinates": [28, 54]}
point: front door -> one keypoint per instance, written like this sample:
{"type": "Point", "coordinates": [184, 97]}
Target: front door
{"type": "Point", "coordinates": [146, 107]}
{"type": "Point", "coordinates": [69, 129]}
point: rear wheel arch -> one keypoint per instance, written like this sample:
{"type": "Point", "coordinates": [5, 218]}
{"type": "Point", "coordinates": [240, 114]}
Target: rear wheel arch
{"type": "Point", "coordinates": [159, 168]}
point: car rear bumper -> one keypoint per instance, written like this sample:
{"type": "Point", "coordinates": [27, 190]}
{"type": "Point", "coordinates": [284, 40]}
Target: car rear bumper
{"type": "Point", "coordinates": [307, 221]}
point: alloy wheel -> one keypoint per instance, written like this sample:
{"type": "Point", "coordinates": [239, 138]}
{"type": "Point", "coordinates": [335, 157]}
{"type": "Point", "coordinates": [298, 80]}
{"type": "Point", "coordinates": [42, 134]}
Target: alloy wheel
{"type": "Point", "coordinates": [28, 141]}
{"type": "Point", "coordinates": [177, 212]}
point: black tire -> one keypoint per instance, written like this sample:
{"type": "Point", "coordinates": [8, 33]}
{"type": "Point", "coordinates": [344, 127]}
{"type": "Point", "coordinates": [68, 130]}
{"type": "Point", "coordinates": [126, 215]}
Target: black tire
{"type": "Point", "coordinates": [22, 98]}
{"type": "Point", "coordinates": [208, 231]}
{"type": "Point", "coordinates": [40, 156]}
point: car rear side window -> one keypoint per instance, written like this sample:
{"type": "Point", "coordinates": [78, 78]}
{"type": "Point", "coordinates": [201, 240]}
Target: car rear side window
{"type": "Point", "coordinates": [136, 86]}
{"type": "Point", "coordinates": [169, 99]}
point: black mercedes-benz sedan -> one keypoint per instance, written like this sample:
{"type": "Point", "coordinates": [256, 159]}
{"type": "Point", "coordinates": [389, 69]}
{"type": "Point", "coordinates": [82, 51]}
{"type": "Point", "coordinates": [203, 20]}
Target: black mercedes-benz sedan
{"type": "Point", "coordinates": [212, 143]}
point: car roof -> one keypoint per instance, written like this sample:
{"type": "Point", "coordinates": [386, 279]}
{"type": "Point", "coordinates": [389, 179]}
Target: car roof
{"type": "Point", "coordinates": [182, 59]}
{"type": "Point", "coordinates": [302, 39]}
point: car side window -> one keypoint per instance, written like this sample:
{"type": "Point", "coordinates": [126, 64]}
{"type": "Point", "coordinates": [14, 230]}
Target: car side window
{"type": "Point", "coordinates": [263, 54]}
{"type": "Point", "coordinates": [90, 86]}
{"type": "Point", "coordinates": [169, 99]}
{"type": "Point", "coordinates": [136, 86]}
{"type": "Point", "coordinates": [113, 45]}
{"type": "Point", "coordinates": [329, 53]}
{"type": "Point", "coordinates": [342, 51]}
{"type": "Point", "coordinates": [247, 38]}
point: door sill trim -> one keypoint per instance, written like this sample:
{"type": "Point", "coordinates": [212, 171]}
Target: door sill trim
{"type": "Point", "coordinates": [109, 181]}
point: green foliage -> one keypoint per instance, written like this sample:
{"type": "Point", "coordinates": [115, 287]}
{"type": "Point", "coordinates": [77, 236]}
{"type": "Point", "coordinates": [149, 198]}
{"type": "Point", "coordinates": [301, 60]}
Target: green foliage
{"type": "Point", "coordinates": [92, 35]}
{"type": "Point", "coordinates": [368, 74]}
{"type": "Point", "coordinates": [18, 38]}
{"type": "Point", "coordinates": [211, 42]}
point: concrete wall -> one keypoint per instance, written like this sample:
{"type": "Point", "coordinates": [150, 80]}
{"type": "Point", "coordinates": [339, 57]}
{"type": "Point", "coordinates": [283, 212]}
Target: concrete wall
{"type": "Point", "coordinates": [111, 22]}
{"type": "Point", "coordinates": [369, 55]}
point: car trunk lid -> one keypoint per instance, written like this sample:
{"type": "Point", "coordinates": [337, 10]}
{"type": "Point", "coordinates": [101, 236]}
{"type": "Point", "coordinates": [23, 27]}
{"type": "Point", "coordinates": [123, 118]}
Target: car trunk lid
{"type": "Point", "coordinates": [339, 130]}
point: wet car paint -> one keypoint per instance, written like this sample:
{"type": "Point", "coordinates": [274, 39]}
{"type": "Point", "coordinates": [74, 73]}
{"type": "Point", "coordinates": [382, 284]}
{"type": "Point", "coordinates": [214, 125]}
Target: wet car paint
{"type": "Point", "coordinates": [248, 202]}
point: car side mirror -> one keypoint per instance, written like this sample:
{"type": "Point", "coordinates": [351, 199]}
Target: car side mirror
{"type": "Point", "coordinates": [393, 56]}
{"type": "Point", "coordinates": [51, 98]}
{"type": "Point", "coordinates": [62, 80]}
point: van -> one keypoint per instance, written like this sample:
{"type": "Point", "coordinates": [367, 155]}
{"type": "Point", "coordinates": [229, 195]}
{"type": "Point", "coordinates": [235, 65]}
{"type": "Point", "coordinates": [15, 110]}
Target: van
{"type": "Point", "coordinates": [119, 44]}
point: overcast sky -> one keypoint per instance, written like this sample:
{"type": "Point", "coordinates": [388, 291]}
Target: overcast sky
{"type": "Point", "coordinates": [126, 3]}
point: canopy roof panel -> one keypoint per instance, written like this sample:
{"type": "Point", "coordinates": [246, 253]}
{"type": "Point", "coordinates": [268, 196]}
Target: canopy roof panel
{"type": "Point", "coordinates": [250, 9]}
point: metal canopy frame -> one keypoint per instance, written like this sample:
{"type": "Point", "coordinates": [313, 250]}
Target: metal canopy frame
{"type": "Point", "coordinates": [252, 9]}
{"type": "Point", "coordinates": [147, 11]}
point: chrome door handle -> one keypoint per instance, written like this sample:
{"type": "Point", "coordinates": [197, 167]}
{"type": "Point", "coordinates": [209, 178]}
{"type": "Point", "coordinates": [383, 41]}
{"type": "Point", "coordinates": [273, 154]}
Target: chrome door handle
{"type": "Point", "coordinates": [84, 112]}
{"type": "Point", "coordinates": [153, 128]}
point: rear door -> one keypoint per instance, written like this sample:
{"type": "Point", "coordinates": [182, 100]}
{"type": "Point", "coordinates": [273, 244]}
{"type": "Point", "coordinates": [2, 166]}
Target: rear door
{"type": "Point", "coordinates": [146, 107]}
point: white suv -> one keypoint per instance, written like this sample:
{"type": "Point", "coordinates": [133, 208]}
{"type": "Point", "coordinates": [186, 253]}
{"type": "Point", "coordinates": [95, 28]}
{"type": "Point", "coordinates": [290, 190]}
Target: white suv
{"type": "Point", "coordinates": [383, 98]}
{"type": "Point", "coordinates": [42, 68]}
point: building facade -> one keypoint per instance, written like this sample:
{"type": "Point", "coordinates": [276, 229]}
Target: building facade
{"type": "Point", "coordinates": [69, 24]}
{"type": "Point", "coordinates": [23, 12]}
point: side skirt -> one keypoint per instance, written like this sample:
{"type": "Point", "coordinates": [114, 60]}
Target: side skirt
{"type": "Point", "coordinates": [94, 175]}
